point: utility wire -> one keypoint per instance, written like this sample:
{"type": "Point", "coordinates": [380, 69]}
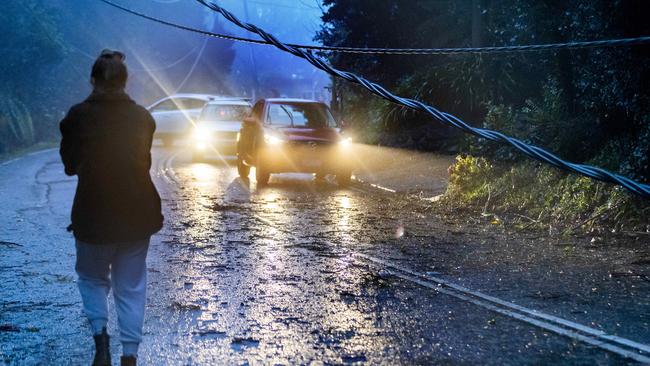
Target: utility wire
{"type": "Point", "coordinates": [196, 62]}
{"type": "Point", "coordinates": [534, 152]}
{"type": "Point", "coordinates": [404, 51]}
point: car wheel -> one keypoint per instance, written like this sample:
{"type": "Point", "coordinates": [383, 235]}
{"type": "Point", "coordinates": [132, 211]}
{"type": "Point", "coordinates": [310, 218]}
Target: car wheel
{"type": "Point", "coordinates": [243, 169]}
{"type": "Point", "coordinates": [344, 178]}
{"type": "Point", "coordinates": [262, 176]}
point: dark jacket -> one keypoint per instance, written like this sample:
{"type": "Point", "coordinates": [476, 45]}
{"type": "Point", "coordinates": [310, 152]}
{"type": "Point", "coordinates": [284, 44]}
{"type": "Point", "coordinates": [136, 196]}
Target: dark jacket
{"type": "Point", "coordinates": [107, 142]}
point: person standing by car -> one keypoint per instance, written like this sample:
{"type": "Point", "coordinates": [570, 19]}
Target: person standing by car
{"type": "Point", "coordinates": [106, 142]}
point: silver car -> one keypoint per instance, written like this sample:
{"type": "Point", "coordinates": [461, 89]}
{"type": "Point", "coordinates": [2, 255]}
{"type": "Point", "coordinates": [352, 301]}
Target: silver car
{"type": "Point", "coordinates": [174, 115]}
{"type": "Point", "coordinates": [216, 129]}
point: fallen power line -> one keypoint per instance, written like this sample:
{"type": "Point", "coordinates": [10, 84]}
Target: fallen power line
{"type": "Point", "coordinates": [534, 152]}
{"type": "Point", "coordinates": [405, 51]}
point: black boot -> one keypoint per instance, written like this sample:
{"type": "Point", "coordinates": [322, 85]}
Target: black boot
{"type": "Point", "coordinates": [102, 349]}
{"type": "Point", "coordinates": [128, 361]}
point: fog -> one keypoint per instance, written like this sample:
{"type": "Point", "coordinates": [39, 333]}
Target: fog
{"type": "Point", "coordinates": [49, 46]}
{"type": "Point", "coordinates": [163, 60]}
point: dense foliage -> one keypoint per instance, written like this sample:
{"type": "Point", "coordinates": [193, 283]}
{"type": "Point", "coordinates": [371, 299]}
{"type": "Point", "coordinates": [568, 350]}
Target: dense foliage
{"type": "Point", "coordinates": [49, 46]}
{"type": "Point", "coordinates": [600, 97]}
{"type": "Point", "coordinates": [587, 105]}
{"type": "Point", "coordinates": [24, 70]}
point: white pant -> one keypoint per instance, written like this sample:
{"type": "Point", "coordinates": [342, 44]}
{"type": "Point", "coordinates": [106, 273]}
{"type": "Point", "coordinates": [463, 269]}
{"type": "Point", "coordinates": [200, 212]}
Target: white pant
{"type": "Point", "coordinates": [123, 267]}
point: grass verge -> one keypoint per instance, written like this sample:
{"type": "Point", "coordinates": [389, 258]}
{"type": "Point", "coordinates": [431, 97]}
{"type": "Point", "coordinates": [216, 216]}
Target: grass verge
{"type": "Point", "coordinates": [528, 195]}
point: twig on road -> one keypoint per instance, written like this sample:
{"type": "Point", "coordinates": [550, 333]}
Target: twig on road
{"type": "Point", "coordinates": [595, 216]}
{"type": "Point", "coordinates": [487, 202]}
{"type": "Point", "coordinates": [527, 218]}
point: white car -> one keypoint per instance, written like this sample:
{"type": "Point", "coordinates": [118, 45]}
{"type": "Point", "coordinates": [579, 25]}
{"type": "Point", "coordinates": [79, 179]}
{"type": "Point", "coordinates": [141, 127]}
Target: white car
{"type": "Point", "coordinates": [174, 115]}
{"type": "Point", "coordinates": [216, 129]}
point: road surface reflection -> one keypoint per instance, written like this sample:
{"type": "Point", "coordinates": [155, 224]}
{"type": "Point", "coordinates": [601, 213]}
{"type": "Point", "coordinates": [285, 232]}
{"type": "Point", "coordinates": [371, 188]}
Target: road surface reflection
{"type": "Point", "coordinates": [257, 277]}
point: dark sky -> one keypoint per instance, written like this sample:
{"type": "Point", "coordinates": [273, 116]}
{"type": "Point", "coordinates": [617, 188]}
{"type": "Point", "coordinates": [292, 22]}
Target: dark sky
{"type": "Point", "coordinates": [165, 60]}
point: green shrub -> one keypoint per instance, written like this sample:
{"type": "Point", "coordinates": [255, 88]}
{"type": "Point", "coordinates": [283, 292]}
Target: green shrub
{"type": "Point", "coordinates": [545, 196]}
{"type": "Point", "coordinates": [469, 178]}
{"type": "Point", "coordinates": [16, 126]}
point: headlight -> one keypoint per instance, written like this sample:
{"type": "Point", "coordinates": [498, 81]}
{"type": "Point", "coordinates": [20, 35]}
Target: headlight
{"type": "Point", "coordinates": [272, 140]}
{"type": "Point", "coordinates": [346, 141]}
{"type": "Point", "coordinates": [202, 134]}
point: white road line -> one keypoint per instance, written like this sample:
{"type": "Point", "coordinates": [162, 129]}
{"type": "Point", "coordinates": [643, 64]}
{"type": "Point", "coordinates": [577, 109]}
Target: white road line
{"type": "Point", "coordinates": [538, 323]}
{"type": "Point", "coordinates": [375, 185]}
{"type": "Point", "coordinates": [42, 151]}
{"type": "Point", "coordinates": [535, 313]}
{"type": "Point", "coordinates": [564, 327]}
{"type": "Point", "coordinates": [26, 155]}
{"type": "Point", "coordinates": [170, 168]}
{"type": "Point", "coordinates": [165, 170]}
{"type": "Point", "coordinates": [536, 318]}
{"type": "Point", "coordinates": [160, 170]}
{"type": "Point", "coordinates": [563, 322]}
{"type": "Point", "coordinates": [10, 161]}
{"type": "Point", "coordinates": [435, 198]}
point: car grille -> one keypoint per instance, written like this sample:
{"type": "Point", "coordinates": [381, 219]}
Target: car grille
{"type": "Point", "coordinates": [312, 143]}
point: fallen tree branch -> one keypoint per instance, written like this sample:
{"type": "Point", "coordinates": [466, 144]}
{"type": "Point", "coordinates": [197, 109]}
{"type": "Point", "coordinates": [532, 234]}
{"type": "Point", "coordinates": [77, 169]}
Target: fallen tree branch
{"type": "Point", "coordinates": [597, 215]}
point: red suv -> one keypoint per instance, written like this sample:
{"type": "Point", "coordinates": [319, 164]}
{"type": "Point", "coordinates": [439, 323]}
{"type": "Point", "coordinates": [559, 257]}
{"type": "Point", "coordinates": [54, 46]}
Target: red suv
{"type": "Point", "coordinates": [293, 135]}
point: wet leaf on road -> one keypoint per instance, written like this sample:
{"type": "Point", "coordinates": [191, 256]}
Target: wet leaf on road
{"type": "Point", "coordinates": [9, 328]}
{"type": "Point", "coordinates": [189, 306]}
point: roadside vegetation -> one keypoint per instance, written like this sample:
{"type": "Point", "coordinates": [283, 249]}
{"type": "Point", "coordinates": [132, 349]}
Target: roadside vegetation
{"type": "Point", "coordinates": [531, 196]}
{"type": "Point", "coordinates": [49, 47]}
{"type": "Point", "coordinates": [26, 90]}
{"type": "Point", "coordinates": [497, 181]}
{"type": "Point", "coordinates": [587, 106]}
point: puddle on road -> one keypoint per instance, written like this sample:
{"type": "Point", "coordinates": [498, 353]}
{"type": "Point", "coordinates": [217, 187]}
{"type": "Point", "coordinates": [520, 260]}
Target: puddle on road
{"type": "Point", "coordinates": [268, 269]}
{"type": "Point", "coordinates": [263, 276]}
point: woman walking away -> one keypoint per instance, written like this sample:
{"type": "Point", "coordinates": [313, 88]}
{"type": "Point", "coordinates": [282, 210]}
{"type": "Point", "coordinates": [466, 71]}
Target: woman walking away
{"type": "Point", "coordinates": [106, 143]}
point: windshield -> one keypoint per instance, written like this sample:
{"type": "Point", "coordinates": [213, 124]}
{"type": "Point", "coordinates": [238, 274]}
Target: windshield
{"type": "Point", "coordinates": [309, 115]}
{"type": "Point", "coordinates": [218, 112]}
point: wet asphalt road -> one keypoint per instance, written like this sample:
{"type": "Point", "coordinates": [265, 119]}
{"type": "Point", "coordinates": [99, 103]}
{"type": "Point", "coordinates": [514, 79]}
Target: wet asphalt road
{"type": "Point", "coordinates": [242, 274]}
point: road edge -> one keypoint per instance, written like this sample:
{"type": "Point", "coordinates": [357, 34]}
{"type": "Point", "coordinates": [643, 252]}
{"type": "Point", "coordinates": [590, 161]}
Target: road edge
{"type": "Point", "coordinates": [23, 153]}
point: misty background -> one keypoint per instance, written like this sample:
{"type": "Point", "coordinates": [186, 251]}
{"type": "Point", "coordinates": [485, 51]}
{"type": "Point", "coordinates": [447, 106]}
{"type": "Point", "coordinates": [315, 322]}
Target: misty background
{"type": "Point", "coordinates": [587, 105]}
{"type": "Point", "coordinates": [50, 45]}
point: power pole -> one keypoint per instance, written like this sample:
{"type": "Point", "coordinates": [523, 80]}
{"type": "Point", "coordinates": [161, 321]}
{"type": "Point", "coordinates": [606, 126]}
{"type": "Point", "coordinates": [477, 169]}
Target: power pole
{"type": "Point", "coordinates": [335, 102]}
{"type": "Point", "coordinates": [251, 53]}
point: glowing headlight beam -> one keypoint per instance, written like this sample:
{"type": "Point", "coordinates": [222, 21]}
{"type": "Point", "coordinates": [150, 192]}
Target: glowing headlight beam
{"type": "Point", "coordinates": [202, 134]}
{"type": "Point", "coordinates": [273, 140]}
{"type": "Point", "coordinates": [346, 141]}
